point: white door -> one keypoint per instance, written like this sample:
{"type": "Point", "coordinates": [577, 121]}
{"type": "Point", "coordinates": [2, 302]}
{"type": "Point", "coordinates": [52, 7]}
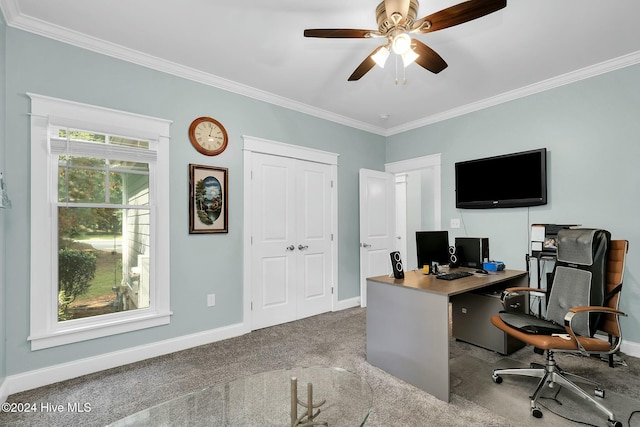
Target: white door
{"type": "Point", "coordinates": [377, 226]}
{"type": "Point", "coordinates": [313, 242]}
{"type": "Point", "coordinates": [273, 244]}
{"type": "Point", "coordinates": [291, 239]}
{"type": "Point", "coordinates": [402, 243]}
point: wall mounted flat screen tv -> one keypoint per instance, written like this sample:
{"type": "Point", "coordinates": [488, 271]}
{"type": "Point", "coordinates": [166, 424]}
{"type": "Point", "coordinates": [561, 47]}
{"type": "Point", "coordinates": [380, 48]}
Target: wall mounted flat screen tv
{"type": "Point", "coordinates": [506, 181]}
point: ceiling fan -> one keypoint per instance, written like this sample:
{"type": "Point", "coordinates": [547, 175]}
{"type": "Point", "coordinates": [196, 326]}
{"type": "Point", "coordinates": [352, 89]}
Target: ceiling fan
{"type": "Point", "coordinates": [397, 20]}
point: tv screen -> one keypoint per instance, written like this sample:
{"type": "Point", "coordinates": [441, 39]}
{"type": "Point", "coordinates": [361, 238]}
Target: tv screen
{"type": "Point", "coordinates": [506, 181]}
{"type": "Point", "coordinates": [432, 246]}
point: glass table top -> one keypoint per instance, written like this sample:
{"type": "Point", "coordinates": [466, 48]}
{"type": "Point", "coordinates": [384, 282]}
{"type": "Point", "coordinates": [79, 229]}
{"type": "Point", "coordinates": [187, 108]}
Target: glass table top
{"type": "Point", "coordinates": [265, 399]}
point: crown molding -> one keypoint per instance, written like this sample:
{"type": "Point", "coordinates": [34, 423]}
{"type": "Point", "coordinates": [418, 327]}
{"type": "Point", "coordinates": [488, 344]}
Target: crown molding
{"type": "Point", "coordinates": [9, 9]}
{"type": "Point", "coordinates": [552, 83]}
{"type": "Point", "coordinates": [16, 19]}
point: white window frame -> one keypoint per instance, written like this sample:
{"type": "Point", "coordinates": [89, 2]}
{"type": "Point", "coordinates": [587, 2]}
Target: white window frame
{"type": "Point", "coordinates": [46, 331]}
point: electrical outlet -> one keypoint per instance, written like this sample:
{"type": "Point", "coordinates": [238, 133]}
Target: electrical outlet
{"type": "Point", "coordinates": [455, 223]}
{"type": "Point", "coordinates": [211, 300]}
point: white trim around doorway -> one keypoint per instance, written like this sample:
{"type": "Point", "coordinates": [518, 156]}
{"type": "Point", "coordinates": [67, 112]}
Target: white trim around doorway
{"type": "Point", "coordinates": [424, 162]}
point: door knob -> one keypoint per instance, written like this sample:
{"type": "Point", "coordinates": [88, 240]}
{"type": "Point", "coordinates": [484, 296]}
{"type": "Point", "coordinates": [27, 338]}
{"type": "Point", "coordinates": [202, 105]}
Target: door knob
{"type": "Point", "coordinates": [300, 247]}
{"type": "Point", "coordinates": [290, 248]}
{"type": "Point", "coordinates": [366, 245]}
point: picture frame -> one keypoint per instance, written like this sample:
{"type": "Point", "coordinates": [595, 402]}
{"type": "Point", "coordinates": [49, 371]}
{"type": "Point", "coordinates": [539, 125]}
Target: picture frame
{"type": "Point", "coordinates": [208, 199]}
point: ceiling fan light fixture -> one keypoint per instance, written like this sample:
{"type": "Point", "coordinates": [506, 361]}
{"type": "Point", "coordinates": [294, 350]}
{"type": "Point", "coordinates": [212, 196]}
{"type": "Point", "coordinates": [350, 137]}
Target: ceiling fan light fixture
{"type": "Point", "coordinates": [397, 21]}
{"type": "Point", "coordinates": [409, 57]}
{"type": "Point", "coordinates": [401, 43]}
{"type": "Point", "coordinates": [380, 57]}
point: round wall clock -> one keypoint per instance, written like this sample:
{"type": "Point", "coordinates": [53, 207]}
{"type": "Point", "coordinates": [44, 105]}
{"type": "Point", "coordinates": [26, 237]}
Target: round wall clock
{"type": "Point", "coordinates": [208, 136]}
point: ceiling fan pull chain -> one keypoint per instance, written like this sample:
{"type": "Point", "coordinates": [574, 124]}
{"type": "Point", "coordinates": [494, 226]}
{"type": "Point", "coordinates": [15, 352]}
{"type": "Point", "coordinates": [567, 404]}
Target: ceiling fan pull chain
{"type": "Point", "coordinates": [404, 73]}
{"type": "Point", "coordinates": [396, 69]}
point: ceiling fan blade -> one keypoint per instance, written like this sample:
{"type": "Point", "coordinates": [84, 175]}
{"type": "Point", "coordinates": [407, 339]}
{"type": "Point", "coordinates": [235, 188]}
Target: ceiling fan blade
{"type": "Point", "coordinates": [428, 58]}
{"type": "Point", "coordinates": [396, 6]}
{"type": "Point", "coordinates": [340, 33]}
{"type": "Point", "coordinates": [365, 66]}
{"type": "Point", "coordinates": [458, 14]}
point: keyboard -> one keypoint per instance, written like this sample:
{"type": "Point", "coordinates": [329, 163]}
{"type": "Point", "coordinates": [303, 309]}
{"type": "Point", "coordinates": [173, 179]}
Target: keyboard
{"type": "Point", "coordinates": [454, 275]}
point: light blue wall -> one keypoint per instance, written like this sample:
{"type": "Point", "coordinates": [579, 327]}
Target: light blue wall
{"type": "Point", "coordinates": [591, 129]}
{"type": "Point", "coordinates": [3, 370]}
{"type": "Point", "coordinates": [47, 67]}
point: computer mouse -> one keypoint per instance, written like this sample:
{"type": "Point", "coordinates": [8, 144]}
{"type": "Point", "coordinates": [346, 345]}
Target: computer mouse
{"type": "Point", "coordinates": [482, 271]}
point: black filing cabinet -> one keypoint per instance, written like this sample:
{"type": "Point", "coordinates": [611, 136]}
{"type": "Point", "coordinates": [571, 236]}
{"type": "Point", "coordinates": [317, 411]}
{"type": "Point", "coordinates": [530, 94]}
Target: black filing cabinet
{"type": "Point", "coordinates": [471, 314]}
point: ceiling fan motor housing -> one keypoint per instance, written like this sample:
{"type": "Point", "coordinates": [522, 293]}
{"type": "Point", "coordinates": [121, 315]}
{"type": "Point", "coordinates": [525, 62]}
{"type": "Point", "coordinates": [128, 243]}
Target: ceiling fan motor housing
{"type": "Point", "coordinates": [385, 25]}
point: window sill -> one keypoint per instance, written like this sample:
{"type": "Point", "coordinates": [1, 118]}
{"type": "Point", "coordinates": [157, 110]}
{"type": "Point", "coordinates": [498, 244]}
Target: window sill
{"type": "Point", "coordinates": [87, 330]}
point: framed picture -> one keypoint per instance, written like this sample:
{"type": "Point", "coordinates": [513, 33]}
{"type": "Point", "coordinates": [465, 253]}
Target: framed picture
{"type": "Point", "coordinates": [208, 206]}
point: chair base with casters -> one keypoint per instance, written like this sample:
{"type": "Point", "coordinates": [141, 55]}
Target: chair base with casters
{"type": "Point", "coordinates": [560, 335]}
{"type": "Point", "coordinates": [551, 374]}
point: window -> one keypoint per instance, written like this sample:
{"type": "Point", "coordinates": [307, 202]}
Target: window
{"type": "Point", "coordinates": [99, 222]}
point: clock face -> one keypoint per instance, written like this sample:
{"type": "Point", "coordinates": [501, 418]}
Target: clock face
{"type": "Point", "coordinates": [208, 136]}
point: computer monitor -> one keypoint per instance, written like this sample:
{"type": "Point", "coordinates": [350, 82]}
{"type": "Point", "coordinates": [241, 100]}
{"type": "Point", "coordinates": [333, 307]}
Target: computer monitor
{"type": "Point", "coordinates": [432, 246]}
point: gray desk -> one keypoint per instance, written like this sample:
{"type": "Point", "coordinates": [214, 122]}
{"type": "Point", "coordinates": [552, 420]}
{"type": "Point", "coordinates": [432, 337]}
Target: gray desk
{"type": "Point", "coordinates": [408, 324]}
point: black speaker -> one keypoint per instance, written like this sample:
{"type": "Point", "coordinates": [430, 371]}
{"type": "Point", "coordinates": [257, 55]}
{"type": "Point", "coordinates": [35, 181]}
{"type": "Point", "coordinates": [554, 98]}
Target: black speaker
{"type": "Point", "coordinates": [396, 263]}
{"type": "Point", "coordinates": [454, 262]}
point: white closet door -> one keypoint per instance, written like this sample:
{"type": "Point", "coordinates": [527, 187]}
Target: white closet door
{"type": "Point", "coordinates": [314, 238]}
{"type": "Point", "coordinates": [274, 245]}
{"type": "Point", "coordinates": [291, 240]}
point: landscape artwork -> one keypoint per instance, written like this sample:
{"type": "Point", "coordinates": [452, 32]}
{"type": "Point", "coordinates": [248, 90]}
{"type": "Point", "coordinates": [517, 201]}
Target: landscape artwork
{"type": "Point", "coordinates": [207, 199]}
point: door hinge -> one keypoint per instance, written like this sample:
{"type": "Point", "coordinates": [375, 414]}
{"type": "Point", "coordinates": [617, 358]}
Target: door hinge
{"type": "Point", "coordinates": [251, 305]}
{"type": "Point", "coordinates": [332, 290]}
{"type": "Point", "coordinates": [332, 237]}
{"type": "Point", "coordinates": [331, 183]}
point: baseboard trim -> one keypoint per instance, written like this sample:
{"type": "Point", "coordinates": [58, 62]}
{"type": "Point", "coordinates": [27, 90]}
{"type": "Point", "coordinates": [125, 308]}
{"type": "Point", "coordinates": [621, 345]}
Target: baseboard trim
{"type": "Point", "coordinates": [347, 303]}
{"type": "Point", "coordinates": [4, 394]}
{"type": "Point", "coordinates": [630, 348]}
{"type": "Point", "coordinates": [66, 371]}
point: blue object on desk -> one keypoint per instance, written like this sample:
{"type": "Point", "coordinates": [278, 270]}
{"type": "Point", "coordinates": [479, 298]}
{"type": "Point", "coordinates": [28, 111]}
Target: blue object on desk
{"type": "Point", "coordinates": [493, 265]}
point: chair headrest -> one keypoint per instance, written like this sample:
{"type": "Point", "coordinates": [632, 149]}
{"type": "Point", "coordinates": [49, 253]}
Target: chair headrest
{"type": "Point", "coordinates": [578, 245]}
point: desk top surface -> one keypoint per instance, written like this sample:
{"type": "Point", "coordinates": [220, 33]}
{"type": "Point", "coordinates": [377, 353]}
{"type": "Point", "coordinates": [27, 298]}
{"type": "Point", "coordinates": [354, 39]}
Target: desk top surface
{"type": "Point", "coordinates": [417, 280]}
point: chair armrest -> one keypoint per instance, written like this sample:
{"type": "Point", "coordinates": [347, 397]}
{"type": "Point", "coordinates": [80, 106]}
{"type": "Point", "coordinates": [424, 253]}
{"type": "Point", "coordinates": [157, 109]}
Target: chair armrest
{"type": "Point", "coordinates": [513, 290]}
{"type": "Point", "coordinates": [568, 318]}
{"type": "Point", "coordinates": [508, 293]}
{"type": "Point", "coordinates": [595, 309]}
{"type": "Point", "coordinates": [521, 289]}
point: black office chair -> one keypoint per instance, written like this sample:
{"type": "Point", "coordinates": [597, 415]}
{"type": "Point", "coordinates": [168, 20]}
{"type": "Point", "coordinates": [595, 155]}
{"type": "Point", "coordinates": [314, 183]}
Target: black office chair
{"type": "Point", "coordinates": [574, 331]}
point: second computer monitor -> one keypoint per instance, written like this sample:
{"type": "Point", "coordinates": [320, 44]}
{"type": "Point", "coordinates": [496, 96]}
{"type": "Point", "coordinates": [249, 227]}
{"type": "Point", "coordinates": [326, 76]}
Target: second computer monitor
{"type": "Point", "coordinates": [432, 246]}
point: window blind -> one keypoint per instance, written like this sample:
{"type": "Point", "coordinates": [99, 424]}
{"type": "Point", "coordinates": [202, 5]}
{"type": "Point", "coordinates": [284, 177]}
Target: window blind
{"type": "Point", "coordinates": [63, 146]}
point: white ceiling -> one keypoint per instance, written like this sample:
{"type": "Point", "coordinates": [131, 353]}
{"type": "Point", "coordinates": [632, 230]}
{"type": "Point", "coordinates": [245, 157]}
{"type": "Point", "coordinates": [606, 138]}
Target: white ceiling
{"type": "Point", "coordinates": [256, 48]}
